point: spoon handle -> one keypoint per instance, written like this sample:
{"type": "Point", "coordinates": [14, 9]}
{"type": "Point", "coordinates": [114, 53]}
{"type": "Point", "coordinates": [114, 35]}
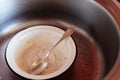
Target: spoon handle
{"type": "Point", "coordinates": [67, 33]}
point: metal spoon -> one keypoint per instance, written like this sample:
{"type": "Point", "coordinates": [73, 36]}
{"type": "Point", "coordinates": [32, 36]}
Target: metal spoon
{"type": "Point", "coordinates": [40, 64]}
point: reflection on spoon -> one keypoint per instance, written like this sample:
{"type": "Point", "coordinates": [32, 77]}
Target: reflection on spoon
{"type": "Point", "coordinates": [41, 64]}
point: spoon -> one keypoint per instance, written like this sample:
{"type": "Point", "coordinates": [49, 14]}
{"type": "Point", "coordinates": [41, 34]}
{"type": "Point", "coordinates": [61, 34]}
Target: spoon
{"type": "Point", "coordinates": [41, 64]}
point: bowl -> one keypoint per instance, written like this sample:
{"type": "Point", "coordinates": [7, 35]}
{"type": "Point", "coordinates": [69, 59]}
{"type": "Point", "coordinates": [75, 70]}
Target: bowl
{"type": "Point", "coordinates": [27, 46]}
{"type": "Point", "coordinates": [88, 15]}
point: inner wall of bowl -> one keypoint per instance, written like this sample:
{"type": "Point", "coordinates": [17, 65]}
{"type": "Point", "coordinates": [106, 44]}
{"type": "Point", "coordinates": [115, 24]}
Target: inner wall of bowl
{"type": "Point", "coordinates": [85, 14]}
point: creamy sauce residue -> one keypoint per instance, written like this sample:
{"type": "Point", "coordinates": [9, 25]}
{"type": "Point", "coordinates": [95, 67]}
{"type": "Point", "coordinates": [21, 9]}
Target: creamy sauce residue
{"type": "Point", "coordinates": [30, 51]}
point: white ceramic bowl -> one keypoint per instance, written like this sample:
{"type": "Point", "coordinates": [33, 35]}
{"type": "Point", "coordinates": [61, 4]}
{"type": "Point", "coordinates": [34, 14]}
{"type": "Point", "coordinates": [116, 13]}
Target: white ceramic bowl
{"type": "Point", "coordinates": [44, 35]}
